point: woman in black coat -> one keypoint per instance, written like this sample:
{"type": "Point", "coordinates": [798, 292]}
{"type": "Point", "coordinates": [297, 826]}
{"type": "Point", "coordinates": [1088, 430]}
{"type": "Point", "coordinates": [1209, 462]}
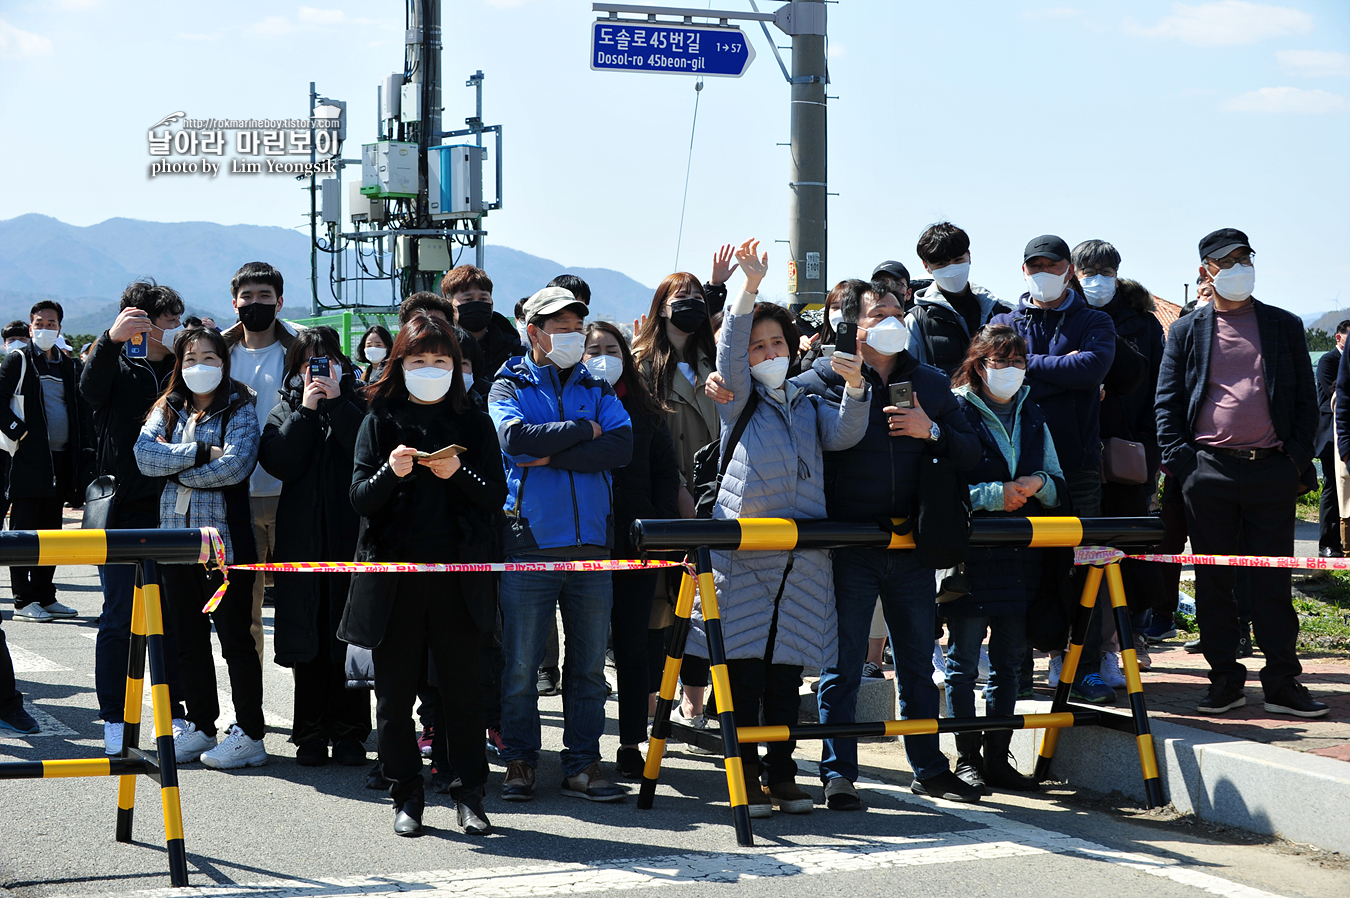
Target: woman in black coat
{"type": "Point", "coordinates": [647, 487]}
{"type": "Point", "coordinates": [418, 511]}
{"type": "Point", "coordinates": [307, 444]}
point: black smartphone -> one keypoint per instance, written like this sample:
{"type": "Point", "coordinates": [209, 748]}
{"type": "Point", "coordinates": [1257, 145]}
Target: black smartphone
{"type": "Point", "coordinates": [846, 337]}
{"type": "Point", "coordinates": [902, 394]}
{"type": "Point", "coordinates": [318, 367]}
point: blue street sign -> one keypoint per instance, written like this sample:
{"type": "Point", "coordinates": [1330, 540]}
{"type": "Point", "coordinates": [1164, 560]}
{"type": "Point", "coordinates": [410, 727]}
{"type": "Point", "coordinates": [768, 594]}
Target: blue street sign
{"type": "Point", "coordinates": [710, 51]}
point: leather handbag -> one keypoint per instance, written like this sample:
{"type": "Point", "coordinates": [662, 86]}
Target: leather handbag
{"type": "Point", "coordinates": [16, 405]}
{"type": "Point", "coordinates": [1123, 461]}
{"type": "Point", "coordinates": [98, 503]}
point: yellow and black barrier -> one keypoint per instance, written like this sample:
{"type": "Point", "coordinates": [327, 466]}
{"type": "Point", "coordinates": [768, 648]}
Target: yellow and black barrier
{"type": "Point", "coordinates": [144, 548]}
{"type": "Point", "coordinates": [782, 535]}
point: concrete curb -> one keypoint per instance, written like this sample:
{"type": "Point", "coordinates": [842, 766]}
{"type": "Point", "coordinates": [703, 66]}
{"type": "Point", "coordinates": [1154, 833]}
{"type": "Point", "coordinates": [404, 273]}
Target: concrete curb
{"type": "Point", "coordinates": [1249, 785]}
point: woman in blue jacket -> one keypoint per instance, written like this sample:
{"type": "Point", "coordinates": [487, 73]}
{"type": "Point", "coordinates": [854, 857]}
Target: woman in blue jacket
{"type": "Point", "coordinates": [1018, 476]}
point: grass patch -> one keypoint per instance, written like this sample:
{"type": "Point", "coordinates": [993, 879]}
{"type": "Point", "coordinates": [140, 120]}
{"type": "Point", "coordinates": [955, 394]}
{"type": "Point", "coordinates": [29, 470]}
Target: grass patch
{"type": "Point", "coordinates": [1323, 608]}
{"type": "Point", "coordinates": [1309, 505]}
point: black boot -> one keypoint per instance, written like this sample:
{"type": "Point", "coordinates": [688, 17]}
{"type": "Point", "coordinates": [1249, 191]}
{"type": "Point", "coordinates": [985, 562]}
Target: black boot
{"type": "Point", "coordinates": [969, 764]}
{"type": "Point", "coordinates": [469, 805]}
{"type": "Point", "coordinates": [408, 812]}
{"type": "Point", "coordinates": [998, 769]}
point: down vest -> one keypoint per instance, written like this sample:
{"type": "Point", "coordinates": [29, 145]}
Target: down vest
{"type": "Point", "coordinates": [776, 471]}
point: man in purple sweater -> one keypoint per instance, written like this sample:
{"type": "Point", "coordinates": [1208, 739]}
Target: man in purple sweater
{"type": "Point", "coordinates": [1237, 417]}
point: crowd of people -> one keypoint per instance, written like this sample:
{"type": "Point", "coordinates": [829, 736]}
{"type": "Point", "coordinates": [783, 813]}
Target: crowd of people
{"type": "Point", "coordinates": [468, 437]}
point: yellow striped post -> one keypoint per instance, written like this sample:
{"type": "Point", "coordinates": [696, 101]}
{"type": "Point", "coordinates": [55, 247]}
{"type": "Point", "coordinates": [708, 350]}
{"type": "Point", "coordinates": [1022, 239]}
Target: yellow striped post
{"type": "Point", "coordinates": [1153, 790]}
{"type": "Point", "coordinates": [656, 746]}
{"type": "Point", "coordinates": [159, 693]}
{"type": "Point", "coordinates": [131, 711]}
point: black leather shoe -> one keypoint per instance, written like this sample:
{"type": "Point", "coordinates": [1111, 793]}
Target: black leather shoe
{"type": "Point", "coordinates": [406, 824]}
{"type": "Point", "coordinates": [349, 752]}
{"type": "Point", "coordinates": [312, 753]}
{"type": "Point", "coordinates": [1328, 552]}
{"type": "Point", "coordinates": [471, 817]}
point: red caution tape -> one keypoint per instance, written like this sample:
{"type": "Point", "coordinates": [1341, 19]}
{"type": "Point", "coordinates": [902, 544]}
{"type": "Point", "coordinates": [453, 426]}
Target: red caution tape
{"type": "Point", "coordinates": [1105, 555]}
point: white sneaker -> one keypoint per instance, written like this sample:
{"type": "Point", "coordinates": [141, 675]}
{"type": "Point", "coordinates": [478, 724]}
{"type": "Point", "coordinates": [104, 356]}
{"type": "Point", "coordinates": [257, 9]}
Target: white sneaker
{"type": "Point", "coordinates": [56, 609]}
{"type": "Point", "coordinates": [189, 742]}
{"type": "Point", "coordinates": [1056, 663]}
{"type": "Point", "coordinates": [33, 613]}
{"type": "Point", "coordinates": [1111, 673]}
{"type": "Point", "coordinates": [939, 665]}
{"type": "Point", "coordinates": [238, 750]}
{"type": "Point", "coordinates": [112, 738]}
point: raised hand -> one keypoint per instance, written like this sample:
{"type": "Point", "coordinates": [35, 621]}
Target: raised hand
{"type": "Point", "coordinates": [723, 267]}
{"type": "Point", "coordinates": [753, 265]}
{"type": "Point", "coordinates": [716, 389]}
{"type": "Point", "coordinates": [130, 321]}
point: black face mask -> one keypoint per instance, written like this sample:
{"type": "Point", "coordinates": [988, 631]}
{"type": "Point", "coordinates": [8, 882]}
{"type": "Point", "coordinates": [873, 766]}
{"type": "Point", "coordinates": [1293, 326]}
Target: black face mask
{"type": "Point", "coordinates": [688, 314]}
{"type": "Point", "coordinates": [257, 316]}
{"type": "Point", "coordinates": [474, 316]}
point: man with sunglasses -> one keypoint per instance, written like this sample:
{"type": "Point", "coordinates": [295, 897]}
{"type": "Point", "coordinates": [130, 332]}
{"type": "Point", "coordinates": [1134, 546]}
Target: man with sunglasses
{"type": "Point", "coordinates": [1237, 416]}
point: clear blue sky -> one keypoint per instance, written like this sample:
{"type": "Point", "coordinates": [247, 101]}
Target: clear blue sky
{"type": "Point", "coordinates": [1144, 123]}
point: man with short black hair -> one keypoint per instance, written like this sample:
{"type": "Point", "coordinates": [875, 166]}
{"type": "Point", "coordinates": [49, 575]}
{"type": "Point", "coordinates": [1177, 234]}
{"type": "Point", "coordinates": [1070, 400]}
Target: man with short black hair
{"type": "Point", "coordinates": [1329, 543]}
{"type": "Point", "coordinates": [121, 389]}
{"type": "Point", "coordinates": [948, 312]}
{"type": "Point", "coordinates": [1237, 416]}
{"type": "Point", "coordinates": [53, 461]}
{"type": "Point", "coordinates": [258, 346]}
{"type": "Point", "coordinates": [1070, 348]}
{"type": "Point", "coordinates": [469, 291]}
{"type": "Point", "coordinates": [562, 432]}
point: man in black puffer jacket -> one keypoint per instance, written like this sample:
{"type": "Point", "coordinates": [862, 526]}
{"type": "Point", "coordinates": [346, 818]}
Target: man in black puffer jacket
{"type": "Point", "coordinates": [876, 479]}
{"type": "Point", "coordinates": [121, 389]}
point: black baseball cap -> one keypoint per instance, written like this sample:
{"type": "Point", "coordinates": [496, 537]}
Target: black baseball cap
{"type": "Point", "coordinates": [894, 269]}
{"type": "Point", "coordinates": [1047, 245]}
{"type": "Point", "coordinates": [1220, 243]}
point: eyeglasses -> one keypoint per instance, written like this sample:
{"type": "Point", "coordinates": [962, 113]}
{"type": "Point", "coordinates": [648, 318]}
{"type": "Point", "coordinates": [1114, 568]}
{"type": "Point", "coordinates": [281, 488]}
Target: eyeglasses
{"type": "Point", "coordinates": [1229, 262]}
{"type": "Point", "coordinates": [1000, 364]}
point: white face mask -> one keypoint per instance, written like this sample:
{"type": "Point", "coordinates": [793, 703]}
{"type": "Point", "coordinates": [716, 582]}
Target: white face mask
{"type": "Point", "coordinates": [45, 339]}
{"type": "Point", "coordinates": [952, 278]}
{"type": "Point", "coordinates": [14, 345]}
{"type": "Point", "coordinates": [168, 335]}
{"type": "Point", "coordinates": [335, 371]}
{"type": "Point", "coordinates": [888, 337]}
{"type": "Point", "coordinates": [1004, 383]}
{"type": "Point", "coordinates": [1098, 289]}
{"type": "Point", "coordinates": [567, 349]}
{"type": "Point", "coordinates": [202, 379]}
{"type": "Point", "coordinates": [608, 368]}
{"type": "Point", "coordinates": [1234, 285]}
{"type": "Point", "coordinates": [521, 329]}
{"type": "Point", "coordinates": [771, 372]}
{"type": "Point", "coordinates": [376, 354]}
{"type": "Point", "coordinates": [1046, 287]}
{"type": "Point", "coordinates": [428, 384]}
{"type": "Point", "coordinates": [836, 316]}
{"type": "Point", "coordinates": [468, 380]}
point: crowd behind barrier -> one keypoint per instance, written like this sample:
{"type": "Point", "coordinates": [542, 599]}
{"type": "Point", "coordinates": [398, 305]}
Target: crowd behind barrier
{"type": "Point", "coordinates": [467, 437]}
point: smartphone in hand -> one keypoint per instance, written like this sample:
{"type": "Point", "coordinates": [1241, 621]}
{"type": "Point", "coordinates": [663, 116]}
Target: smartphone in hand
{"type": "Point", "coordinates": [846, 337]}
{"type": "Point", "coordinates": [319, 367]}
{"type": "Point", "coordinates": [902, 394]}
{"type": "Point", "coordinates": [137, 346]}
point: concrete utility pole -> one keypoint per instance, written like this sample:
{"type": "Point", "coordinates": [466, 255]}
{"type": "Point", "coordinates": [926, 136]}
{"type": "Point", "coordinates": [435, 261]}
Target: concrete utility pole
{"type": "Point", "coordinates": [807, 220]}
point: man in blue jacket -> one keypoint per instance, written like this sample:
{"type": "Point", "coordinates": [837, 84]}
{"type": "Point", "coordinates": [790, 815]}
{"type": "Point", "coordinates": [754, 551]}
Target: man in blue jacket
{"type": "Point", "coordinates": [878, 478]}
{"type": "Point", "coordinates": [562, 432]}
{"type": "Point", "coordinates": [1237, 416]}
{"type": "Point", "coordinates": [1070, 347]}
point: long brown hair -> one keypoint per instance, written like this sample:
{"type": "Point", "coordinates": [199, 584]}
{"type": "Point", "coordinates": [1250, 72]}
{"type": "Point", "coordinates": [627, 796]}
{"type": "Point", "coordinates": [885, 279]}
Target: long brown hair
{"type": "Point", "coordinates": [421, 334]}
{"type": "Point", "coordinates": [178, 391]}
{"type": "Point", "coordinates": [652, 344]}
{"type": "Point", "coordinates": [636, 393]}
{"type": "Point", "coordinates": [993, 342]}
{"type": "Point", "coordinates": [321, 340]}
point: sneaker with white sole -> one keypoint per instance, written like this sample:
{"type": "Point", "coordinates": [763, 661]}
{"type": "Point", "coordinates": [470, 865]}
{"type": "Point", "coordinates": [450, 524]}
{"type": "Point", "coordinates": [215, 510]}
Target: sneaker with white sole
{"type": "Point", "coordinates": [238, 750]}
{"type": "Point", "coordinates": [112, 737]}
{"type": "Point", "coordinates": [56, 609]}
{"type": "Point", "coordinates": [189, 742]}
{"type": "Point", "coordinates": [1056, 665]}
{"type": "Point", "coordinates": [1111, 672]}
{"type": "Point", "coordinates": [33, 613]}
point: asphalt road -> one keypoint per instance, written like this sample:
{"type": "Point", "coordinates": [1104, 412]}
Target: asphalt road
{"type": "Point", "coordinates": [283, 830]}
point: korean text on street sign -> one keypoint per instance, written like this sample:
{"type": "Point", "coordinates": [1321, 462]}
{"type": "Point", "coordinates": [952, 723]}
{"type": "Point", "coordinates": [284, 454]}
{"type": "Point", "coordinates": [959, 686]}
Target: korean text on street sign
{"type": "Point", "coordinates": [621, 46]}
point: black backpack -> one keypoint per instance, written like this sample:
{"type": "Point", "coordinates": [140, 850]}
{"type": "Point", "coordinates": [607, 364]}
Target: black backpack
{"type": "Point", "coordinates": [940, 519]}
{"type": "Point", "coordinates": [710, 466]}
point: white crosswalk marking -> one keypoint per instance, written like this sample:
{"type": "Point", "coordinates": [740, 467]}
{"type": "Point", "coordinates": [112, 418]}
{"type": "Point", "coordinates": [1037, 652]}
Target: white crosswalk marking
{"type": "Point", "coordinates": [31, 662]}
{"type": "Point", "coordinates": [48, 726]}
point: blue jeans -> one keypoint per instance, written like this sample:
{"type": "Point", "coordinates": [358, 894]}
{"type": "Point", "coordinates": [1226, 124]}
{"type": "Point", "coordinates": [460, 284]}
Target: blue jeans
{"type": "Point", "coordinates": [907, 595]}
{"type": "Point", "coordinates": [528, 600]}
{"type": "Point", "coordinates": [1007, 644]}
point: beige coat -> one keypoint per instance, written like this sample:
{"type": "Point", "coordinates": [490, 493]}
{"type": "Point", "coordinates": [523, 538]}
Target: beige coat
{"type": "Point", "coordinates": [692, 419]}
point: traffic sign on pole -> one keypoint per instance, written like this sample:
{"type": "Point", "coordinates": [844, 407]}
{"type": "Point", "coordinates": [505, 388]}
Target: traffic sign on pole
{"type": "Point", "coordinates": [645, 46]}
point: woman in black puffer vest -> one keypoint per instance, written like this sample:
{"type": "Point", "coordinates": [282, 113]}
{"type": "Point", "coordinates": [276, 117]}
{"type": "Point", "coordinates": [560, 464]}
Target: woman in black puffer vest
{"type": "Point", "coordinates": [1018, 476]}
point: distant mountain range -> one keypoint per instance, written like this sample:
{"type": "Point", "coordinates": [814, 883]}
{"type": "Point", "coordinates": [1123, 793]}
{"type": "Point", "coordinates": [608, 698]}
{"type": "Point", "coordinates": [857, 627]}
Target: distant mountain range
{"type": "Point", "coordinates": [86, 268]}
